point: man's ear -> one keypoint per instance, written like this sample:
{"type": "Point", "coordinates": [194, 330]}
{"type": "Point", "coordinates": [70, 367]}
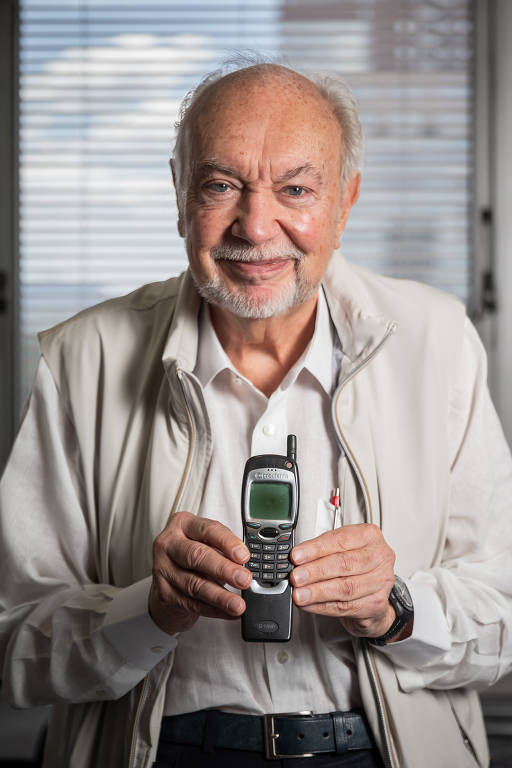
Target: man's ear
{"type": "Point", "coordinates": [350, 198]}
{"type": "Point", "coordinates": [181, 227]}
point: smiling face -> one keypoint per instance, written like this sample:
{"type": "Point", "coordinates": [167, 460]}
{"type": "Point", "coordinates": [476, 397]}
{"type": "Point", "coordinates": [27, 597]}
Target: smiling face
{"type": "Point", "coordinates": [264, 207]}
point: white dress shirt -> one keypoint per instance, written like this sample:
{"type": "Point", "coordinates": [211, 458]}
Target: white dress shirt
{"type": "Point", "coordinates": [213, 666]}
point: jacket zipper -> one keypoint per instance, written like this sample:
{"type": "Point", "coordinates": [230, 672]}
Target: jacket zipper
{"type": "Point", "coordinates": [179, 497]}
{"type": "Point", "coordinates": [192, 442]}
{"type": "Point", "coordinates": [389, 756]}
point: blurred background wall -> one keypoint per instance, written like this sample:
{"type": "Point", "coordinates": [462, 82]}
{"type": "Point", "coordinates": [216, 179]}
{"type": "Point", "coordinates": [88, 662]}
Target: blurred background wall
{"type": "Point", "coordinates": [89, 93]}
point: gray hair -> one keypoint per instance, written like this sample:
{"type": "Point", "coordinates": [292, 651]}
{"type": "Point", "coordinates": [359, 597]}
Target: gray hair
{"type": "Point", "coordinates": [330, 85]}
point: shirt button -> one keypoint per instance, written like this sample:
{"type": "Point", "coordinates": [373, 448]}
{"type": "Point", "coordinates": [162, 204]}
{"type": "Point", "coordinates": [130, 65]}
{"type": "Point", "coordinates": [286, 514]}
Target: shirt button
{"type": "Point", "coordinates": [237, 380]}
{"type": "Point", "coordinates": [269, 429]}
{"type": "Point", "coordinates": [282, 657]}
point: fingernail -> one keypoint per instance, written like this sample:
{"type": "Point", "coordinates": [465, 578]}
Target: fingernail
{"type": "Point", "coordinates": [300, 576]}
{"type": "Point", "coordinates": [235, 605]}
{"type": "Point", "coordinates": [302, 595]}
{"type": "Point", "coordinates": [299, 555]}
{"type": "Point", "coordinates": [241, 553]}
{"type": "Point", "coordinates": [242, 578]}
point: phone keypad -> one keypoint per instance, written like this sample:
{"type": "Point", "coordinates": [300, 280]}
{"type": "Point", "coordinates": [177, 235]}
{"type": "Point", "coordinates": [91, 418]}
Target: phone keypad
{"type": "Point", "coordinates": [269, 561]}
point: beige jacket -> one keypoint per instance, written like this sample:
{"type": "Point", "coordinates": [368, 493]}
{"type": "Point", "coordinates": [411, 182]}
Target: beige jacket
{"type": "Point", "coordinates": [123, 372]}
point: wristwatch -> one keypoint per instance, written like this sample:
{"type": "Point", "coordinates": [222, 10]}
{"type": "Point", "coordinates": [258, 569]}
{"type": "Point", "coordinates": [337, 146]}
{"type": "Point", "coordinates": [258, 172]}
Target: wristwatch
{"type": "Point", "coordinates": [401, 600]}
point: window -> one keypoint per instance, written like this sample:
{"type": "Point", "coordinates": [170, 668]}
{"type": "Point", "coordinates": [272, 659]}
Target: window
{"type": "Point", "coordinates": [100, 86]}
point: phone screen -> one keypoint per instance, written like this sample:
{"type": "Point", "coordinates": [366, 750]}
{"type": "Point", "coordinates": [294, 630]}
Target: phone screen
{"type": "Point", "coordinates": [270, 501]}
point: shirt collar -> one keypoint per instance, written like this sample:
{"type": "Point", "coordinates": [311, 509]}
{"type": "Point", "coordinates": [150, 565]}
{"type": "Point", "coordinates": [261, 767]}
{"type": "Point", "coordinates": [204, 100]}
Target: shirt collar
{"type": "Point", "coordinates": [317, 357]}
{"type": "Point", "coordinates": [211, 357]}
{"type": "Point", "coordinates": [319, 354]}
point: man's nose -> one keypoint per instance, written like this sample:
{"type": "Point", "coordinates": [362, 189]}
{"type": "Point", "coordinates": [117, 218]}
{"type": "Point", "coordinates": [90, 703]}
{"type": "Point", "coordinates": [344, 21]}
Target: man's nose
{"type": "Point", "coordinates": [256, 220]}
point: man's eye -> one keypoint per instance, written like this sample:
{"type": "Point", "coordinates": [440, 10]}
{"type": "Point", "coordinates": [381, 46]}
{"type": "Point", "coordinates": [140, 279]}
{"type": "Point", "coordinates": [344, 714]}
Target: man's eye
{"type": "Point", "coordinates": [295, 191]}
{"type": "Point", "coordinates": [218, 186]}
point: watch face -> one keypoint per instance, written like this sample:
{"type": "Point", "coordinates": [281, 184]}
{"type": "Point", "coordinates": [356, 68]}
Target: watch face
{"type": "Point", "coordinates": [402, 594]}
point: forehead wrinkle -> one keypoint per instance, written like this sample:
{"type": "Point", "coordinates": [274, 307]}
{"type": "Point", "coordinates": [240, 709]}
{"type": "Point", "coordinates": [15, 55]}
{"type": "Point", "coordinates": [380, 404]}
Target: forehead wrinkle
{"type": "Point", "coordinates": [207, 167]}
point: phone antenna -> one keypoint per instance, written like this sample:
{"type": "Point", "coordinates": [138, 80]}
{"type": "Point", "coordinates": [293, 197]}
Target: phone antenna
{"type": "Point", "coordinates": [291, 447]}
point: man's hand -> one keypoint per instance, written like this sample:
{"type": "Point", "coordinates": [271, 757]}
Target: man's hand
{"type": "Point", "coordinates": [193, 558]}
{"type": "Point", "coordinates": [347, 573]}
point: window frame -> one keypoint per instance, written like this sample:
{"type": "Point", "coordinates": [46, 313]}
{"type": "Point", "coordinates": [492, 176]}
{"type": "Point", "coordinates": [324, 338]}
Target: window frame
{"type": "Point", "coordinates": [9, 289]}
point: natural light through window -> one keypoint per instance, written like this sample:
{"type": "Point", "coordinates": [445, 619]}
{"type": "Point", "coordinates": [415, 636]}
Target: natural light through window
{"type": "Point", "coordinates": [99, 91]}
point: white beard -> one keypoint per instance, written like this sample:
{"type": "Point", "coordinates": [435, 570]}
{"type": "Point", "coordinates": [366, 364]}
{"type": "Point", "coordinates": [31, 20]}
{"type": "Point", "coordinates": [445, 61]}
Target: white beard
{"type": "Point", "coordinates": [239, 301]}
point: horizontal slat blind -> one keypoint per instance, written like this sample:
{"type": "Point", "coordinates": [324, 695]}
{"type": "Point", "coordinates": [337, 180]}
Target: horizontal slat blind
{"type": "Point", "coordinates": [100, 86]}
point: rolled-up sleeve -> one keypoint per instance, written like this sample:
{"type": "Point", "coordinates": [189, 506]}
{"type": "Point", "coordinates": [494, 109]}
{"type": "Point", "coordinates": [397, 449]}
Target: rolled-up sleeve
{"type": "Point", "coordinates": [462, 633]}
{"type": "Point", "coordinates": [63, 635]}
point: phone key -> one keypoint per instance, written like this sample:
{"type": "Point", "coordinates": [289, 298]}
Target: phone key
{"type": "Point", "coordinates": [253, 545]}
{"type": "Point", "coordinates": [282, 556]}
{"type": "Point", "coordinates": [253, 537]}
{"type": "Point", "coordinates": [269, 533]}
{"type": "Point", "coordinates": [268, 566]}
{"type": "Point", "coordinates": [269, 576]}
{"type": "Point", "coordinates": [268, 556]}
{"type": "Point", "coordinates": [269, 547]}
{"type": "Point", "coordinates": [255, 556]}
{"type": "Point", "coordinates": [254, 564]}
{"type": "Point", "coordinates": [253, 525]}
{"type": "Point", "coordinates": [284, 566]}
{"type": "Point", "coordinates": [286, 526]}
{"type": "Point", "coordinates": [287, 537]}
{"type": "Point", "coordinates": [283, 547]}
{"type": "Point", "coordinates": [280, 576]}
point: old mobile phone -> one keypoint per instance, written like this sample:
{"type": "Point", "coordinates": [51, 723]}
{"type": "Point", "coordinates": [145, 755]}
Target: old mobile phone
{"type": "Point", "coordinates": [270, 508]}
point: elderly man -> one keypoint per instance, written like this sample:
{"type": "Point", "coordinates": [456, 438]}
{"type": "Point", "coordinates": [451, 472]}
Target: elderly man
{"type": "Point", "coordinates": [121, 534]}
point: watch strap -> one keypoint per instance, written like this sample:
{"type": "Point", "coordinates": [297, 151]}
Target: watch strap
{"type": "Point", "coordinates": [403, 613]}
{"type": "Point", "coordinates": [394, 629]}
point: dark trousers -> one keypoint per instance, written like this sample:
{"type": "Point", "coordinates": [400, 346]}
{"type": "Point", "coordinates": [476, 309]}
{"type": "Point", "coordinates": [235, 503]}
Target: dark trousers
{"type": "Point", "coordinates": [178, 756]}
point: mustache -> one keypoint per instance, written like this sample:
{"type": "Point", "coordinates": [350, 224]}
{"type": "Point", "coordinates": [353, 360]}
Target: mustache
{"type": "Point", "coordinates": [247, 253]}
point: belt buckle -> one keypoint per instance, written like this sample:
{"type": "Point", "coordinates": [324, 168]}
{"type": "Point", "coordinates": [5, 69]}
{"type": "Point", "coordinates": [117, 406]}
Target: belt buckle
{"type": "Point", "coordinates": [271, 736]}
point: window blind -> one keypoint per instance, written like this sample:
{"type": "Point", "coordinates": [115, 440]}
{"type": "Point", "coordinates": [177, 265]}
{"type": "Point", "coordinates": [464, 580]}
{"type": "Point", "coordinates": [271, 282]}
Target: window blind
{"type": "Point", "coordinates": [100, 84]}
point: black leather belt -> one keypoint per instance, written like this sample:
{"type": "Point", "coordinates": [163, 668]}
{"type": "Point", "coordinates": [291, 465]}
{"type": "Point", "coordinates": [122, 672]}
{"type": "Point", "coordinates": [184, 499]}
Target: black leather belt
{"type": "Point", "coordinates": [293, 734]}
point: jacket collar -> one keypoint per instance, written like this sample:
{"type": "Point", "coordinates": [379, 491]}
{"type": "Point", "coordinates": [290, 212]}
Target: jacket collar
{"type": "Point", "coordinates": [360, 327]}
{"type": "Point", "coordinates": [182, 340]}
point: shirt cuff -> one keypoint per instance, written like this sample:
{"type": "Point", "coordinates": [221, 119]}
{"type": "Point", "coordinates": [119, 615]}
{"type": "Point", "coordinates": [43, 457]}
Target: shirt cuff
{"type": "Point", "coordinates": [430, 638]}
{"type": "Point", "coordinates": [132, 632]}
